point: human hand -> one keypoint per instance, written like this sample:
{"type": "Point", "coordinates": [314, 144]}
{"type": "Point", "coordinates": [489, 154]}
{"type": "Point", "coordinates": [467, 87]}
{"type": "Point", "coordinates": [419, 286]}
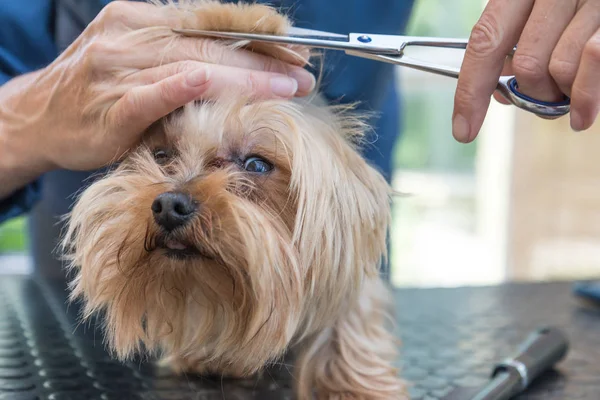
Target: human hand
{"type": "Point", "coordinates": [558, 54]}
{"type": "Point", "coordinates": [125, 72]}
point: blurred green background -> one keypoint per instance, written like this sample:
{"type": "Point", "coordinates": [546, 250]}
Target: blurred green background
{"type": "Point", "coordinates": [13, 237]}
{"type": "Point", "coordinates": [427, 143]}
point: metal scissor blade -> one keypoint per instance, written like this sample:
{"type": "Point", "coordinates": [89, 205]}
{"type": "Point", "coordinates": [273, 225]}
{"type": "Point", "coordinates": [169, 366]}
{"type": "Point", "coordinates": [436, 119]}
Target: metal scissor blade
{"type": "Point", "coordinates": [311, 33]}
{"type": "Point", "coordinates": [378, 44]}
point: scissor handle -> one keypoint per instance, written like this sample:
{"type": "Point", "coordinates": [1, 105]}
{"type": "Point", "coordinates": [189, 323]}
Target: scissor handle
{"type": "Point", "coordinates": [508, 87]}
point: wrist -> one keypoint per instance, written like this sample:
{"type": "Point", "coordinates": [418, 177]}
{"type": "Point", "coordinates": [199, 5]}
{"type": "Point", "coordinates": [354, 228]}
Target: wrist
{"type": "Point", "coordinates": [22, 160]}
{"type": "Point", "coordinates": [17, 167]}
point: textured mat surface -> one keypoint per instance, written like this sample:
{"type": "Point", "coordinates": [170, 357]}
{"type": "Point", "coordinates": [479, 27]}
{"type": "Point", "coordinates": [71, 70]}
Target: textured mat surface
{"type": "Point", "coordinates": [452, 337]}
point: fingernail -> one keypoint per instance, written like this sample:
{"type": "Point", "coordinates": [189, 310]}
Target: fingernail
{"type": "Point", "coordinates": [306, 80]}
{"type": "Point", "coordinates": [576, 121]}
{"type": "Point", "coordinates": [460, 128]}
{"type": "Point", "coordinates": [284, 87]}
{"type": "Point", "coordinates": [197, 77]}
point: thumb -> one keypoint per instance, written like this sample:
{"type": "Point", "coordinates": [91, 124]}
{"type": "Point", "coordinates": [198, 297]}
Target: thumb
{"type": "Point", "coordinates": [144, 105]}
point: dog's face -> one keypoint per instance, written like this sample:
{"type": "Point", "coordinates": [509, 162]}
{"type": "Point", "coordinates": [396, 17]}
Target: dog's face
{"type": "Point", "coordinates": [236, 229]}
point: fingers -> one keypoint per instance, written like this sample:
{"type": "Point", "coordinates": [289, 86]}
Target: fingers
{"type": "Point", "coordinates": [304, 79]}
{"type": "Point", "coordinates": [177, 48]}
{"type": "Point", "coordinates": [161, 46]}
{"type": "Point", "coordinates": [144, 105]}
{"type": "Point", "coordinates": [257, 84]}
{"type": "Point", "coordinates": [568, 53]}
{"type": "Point", "coordinates": [492, 38]}
{"type": "Point", "coordinates": [576, 65]}
{"type": "Point", "coordinates": [131, 15]}
{"type": "Point", "coordinates": [164, 46]}
{"type": "Point", "coordinates": [585, 100]}
{"type": "Point", "coordinates": [547, 21]}
{"type": "Point", "coordinates": [155, 53]}
{"type": "Point", "coordinates": [506, 71]}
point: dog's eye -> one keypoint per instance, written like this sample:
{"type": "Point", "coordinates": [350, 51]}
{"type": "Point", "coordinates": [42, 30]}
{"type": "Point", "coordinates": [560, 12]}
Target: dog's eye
{"type": "Point", "coordinates": [257, 164]}
{"type": "Point", "coordinates": [160, 156]}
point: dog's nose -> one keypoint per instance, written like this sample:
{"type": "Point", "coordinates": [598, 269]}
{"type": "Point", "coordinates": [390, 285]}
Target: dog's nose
{"type": "Point", "coordinates": [173, 209]}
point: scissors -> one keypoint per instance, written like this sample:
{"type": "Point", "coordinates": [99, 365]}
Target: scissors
{"type": "Point", "coordinates": [390, 49]}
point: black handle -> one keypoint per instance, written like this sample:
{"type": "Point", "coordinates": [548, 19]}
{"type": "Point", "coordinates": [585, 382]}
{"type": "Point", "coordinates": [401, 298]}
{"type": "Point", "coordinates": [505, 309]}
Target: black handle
{"type": "Point", "coordinates": [540, 351]}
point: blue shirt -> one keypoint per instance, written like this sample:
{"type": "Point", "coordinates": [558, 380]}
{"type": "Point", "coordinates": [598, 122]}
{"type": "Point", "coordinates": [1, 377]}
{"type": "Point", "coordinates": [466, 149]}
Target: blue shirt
{"type": "Point", "coordinates": [28, 42]}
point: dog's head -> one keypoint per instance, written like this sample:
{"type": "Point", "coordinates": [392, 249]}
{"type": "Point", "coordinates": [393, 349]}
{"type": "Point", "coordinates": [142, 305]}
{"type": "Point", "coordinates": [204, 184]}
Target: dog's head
{"type": "Point", "coordinates": [235, 229]}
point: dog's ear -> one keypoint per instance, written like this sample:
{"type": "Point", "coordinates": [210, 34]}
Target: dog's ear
{"type": "Point", "coordinates": [343, 203]}
{"type": "Point", "coordinates": [250, 17]}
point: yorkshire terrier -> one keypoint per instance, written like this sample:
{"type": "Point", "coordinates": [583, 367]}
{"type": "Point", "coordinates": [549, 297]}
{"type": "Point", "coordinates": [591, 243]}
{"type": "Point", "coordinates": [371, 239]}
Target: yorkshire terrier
{"type": "Point", "coordinates": [241, 230]}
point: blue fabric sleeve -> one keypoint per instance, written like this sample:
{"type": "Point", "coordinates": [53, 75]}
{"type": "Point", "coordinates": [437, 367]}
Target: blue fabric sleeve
{"type": "Point", "coordinates": [24, 198]}
{"type": "Point", "coordinates": [21, 201]}
{"type": "Point", "coordinates": [26, 44]}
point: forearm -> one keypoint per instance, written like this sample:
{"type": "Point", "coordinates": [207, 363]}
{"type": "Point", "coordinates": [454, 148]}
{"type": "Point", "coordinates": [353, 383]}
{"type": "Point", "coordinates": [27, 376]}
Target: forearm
{"type": "Point", "coordinates": [21, 162]}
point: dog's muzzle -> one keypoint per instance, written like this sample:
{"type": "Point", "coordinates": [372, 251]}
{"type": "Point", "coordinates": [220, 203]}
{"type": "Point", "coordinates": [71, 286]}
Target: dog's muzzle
{"type": "Point", "coordinates": [173, 209]}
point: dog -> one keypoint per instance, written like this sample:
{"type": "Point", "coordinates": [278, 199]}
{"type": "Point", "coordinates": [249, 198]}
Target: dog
{"type": "Point", "coordinates": [241, 230]}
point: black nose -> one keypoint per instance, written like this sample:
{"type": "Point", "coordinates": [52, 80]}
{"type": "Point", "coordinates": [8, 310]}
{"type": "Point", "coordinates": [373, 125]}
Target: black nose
{"type": "Point", "coordinates": [173, 209]}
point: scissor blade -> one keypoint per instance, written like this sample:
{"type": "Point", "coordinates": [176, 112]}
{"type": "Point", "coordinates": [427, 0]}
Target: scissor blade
{"type": "Point", "coordinates": [379, 44]}
{"type": "Point", "coordinates": [311, 33]}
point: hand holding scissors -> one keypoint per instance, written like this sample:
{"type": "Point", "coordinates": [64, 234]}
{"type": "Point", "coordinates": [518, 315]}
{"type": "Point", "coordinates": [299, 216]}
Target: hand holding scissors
{"type": "Point", "coordinates": [544, 91]}
{"type": "Point", "coordinates": [558, 54]}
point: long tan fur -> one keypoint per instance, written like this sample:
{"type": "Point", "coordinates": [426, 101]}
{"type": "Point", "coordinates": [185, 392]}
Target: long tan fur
{"type": "Point", "coordinates": [288, 260]}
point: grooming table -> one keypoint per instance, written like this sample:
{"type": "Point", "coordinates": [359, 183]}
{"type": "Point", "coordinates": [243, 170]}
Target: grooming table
{"type": "Point", "coordinates": [451, 337]}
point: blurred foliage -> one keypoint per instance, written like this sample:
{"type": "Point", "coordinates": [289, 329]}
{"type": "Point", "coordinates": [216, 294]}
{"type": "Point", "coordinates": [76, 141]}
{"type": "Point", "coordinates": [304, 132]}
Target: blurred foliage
{"type": "Point", "coordinates": [13, 236]}
{"type": "Point", "coordinates": [427, 142]}
{"type": "Point", "coordinates": [444, 18]}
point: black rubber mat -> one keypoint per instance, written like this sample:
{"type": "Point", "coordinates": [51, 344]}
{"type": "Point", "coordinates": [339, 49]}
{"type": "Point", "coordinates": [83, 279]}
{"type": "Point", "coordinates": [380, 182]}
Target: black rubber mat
{"type": "Point", "coordinates": [452, 338]}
